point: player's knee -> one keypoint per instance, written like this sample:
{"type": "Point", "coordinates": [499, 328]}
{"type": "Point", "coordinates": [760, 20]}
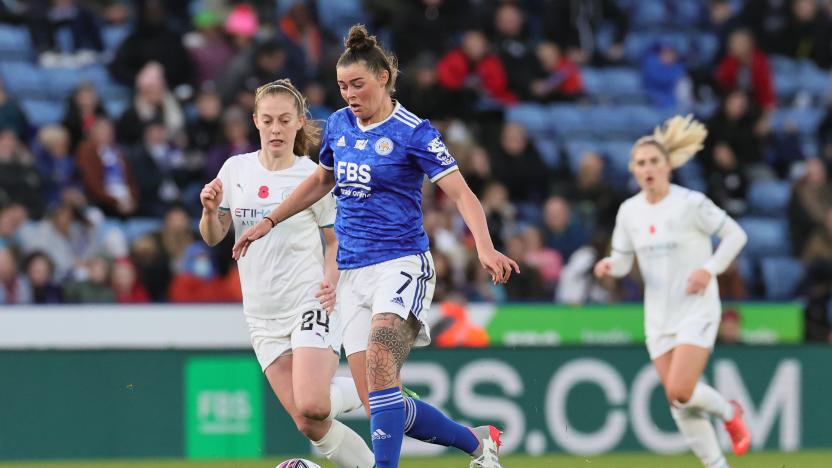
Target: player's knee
{"type": "Point", "coordinates": [314, 409]}
{"type": "Point", "coordinates": [310, 428]}
{"type": "Point", "coordinates": [677, 393]}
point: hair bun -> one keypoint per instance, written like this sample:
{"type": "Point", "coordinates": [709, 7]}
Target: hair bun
{"type": "Point", "coordinates": [359, 39]}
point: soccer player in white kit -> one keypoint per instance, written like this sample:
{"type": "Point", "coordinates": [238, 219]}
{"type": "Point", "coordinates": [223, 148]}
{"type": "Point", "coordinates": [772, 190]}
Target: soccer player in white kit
{"type": "Point", "coordinates": [288, 280]}
{"type": "Point", "coordinates": [668, 228]}
{"type": "Point", "coordinates": [376, 154]}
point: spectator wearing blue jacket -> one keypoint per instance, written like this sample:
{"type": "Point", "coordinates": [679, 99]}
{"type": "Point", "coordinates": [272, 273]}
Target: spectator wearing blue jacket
{"type": "Point", "coordinates": [662, 71]}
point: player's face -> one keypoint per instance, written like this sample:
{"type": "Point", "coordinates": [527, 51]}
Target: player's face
{"type": "Point", "coordinates": [362, 90]}
{"type": "Point", "coordinates": [278, 121]}
{"type": "Point", "coordinates": [650, 168]}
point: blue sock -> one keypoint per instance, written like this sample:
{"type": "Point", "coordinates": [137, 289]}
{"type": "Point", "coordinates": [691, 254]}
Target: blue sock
{"type": "Point", "coordinates": [387, 426]}
{"type": "Point", "coordinates": [428, 424]}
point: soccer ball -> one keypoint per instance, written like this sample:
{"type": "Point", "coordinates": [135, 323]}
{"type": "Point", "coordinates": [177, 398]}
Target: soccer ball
{"type": "Point", "coordinates": [298, 463]}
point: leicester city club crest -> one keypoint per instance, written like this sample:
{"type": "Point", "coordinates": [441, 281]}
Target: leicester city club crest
{"type": "Point", "coordinates": [384, 146]}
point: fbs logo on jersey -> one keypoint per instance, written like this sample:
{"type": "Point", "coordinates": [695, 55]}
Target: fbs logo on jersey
{"type": "Point", "coordinates": [360, 144]}
{"type": "Point", "coordinates": [438, 148]}
{"type": "Point", "coordinates": [342, 142]}
{"type": "Point", "coordinates": [384, 146]}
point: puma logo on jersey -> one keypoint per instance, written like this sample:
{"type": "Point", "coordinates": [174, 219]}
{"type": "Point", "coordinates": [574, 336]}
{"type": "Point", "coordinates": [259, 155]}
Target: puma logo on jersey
{"type": "Point", "coordinates": [342, 142]}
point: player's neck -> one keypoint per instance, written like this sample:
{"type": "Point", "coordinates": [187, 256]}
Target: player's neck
{"type": "Point", "coordinates": [382, 113]}
{"type": "Point", "coordinates": [272, 162]}
{"type": "Point", "coordinates": [657, 195]}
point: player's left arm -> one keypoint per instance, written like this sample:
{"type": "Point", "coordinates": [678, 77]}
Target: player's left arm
{"type": "Point", "coordinates": [712, 220]}
{"type": "Point", "coordinates": [326, 293]}
{"type": "Point", "coordinates": [497, 264]}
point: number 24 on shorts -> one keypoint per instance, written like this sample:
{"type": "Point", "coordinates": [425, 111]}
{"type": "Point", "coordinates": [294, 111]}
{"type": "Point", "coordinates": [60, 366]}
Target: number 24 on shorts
{"type": "Point", "coordinates": [310, 317]}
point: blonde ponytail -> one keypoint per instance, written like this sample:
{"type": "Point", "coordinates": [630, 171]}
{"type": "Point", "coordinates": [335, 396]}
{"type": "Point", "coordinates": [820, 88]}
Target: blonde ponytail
{"type": "Point", "coordinates": [679, 138]}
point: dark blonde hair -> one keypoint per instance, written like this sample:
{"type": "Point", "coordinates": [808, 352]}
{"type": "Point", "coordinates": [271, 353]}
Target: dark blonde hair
{"type": "Point", "coordinates": [679, 139]}
{"type": "Point", "coordinates": [309, 135]}
{"type": "Point", "coordinates": [360, 46]}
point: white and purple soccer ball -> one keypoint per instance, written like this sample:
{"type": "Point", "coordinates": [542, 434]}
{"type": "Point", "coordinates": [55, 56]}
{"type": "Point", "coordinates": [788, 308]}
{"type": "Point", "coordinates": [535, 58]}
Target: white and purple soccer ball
{"type": "Point", "coordinates": [298, 463]}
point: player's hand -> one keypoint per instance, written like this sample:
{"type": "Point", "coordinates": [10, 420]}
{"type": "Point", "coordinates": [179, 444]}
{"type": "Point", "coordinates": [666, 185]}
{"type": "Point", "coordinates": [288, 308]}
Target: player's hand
{"type": "Point", "coordinates": [211, 195]}
{"type": "Point", "coordinates": [498, 265]}
{"type": "Point", "coordinates": [252, 234]}
{"type": "Point", "coordinates": [326, 295]}
{"type": "Point", "coordinates": [603, 268]}
{"type": "Point", "coordinates": [698, 281]}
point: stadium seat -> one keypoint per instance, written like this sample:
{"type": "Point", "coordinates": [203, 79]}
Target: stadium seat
{"type": "Point", "coordinates": [137, 227]}
{"type": "Point", "coordinates": [115, 107]}
{"type": "Point", "coordinates": [705, 47]}
{"type": "Point", "coordinates": [549, 152]}
{"type": "Point", "coordinates": [766, 237]}
{"type": "Point", "coordinates": [618, 156]}
{"type": "Point", "coordinates": [113, 36]}
{"type": "Point", "coordinates": [783, 65]}
{"type": "Point", "coordinates": [786, 85]}
{"type": "Point", "coordinates": [649, 14]}
{"type": "Point", "coordinates": [638, 43]}
{"type": "Point", "coordinates": [781, 275]}
{"type": "Point", "coordinates": [748, 272]}
{"type": "Point", "coordinates": [62, 81]}
{"type": "Point", "coordinates": [106, 225]}
{"type": "Point", "coordinates": [806, 119]}
{"type": "Point", "coordinates": [533, 117]}
{"type": "Point", "coordinates": [24, 79]}
{"type": "Point", "coordinates": [686, 14]}
{"type": "Point", "coordinates": [42, 112]}
{"type": "Point", "coordinates": [814, 80]}
{"type": "Point", "coordinates": [623, 84]}
{"type": "Point", "coordinates": [575, 149]}
{"type": "Point", "coordinates": [570, 120]}
{"type": "Point", "coordinates": [769, 197]}
{"type": "Point", "coordinates": [15, 43]}
{"type": "Point", "coordinates": [615, 84]}
{"type": "Point", "coordinates": [337, 16]}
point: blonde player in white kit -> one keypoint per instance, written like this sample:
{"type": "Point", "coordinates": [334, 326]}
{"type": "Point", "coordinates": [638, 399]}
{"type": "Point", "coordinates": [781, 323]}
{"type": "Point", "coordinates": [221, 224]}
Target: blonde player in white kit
{"type": "Point", "coordinates": [288, 282]}
{"type": "Point", "coordinates": [668, 228]}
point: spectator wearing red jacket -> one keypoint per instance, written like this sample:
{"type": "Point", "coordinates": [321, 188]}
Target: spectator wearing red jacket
{"type": "Point", "coordinates": [558, 77]}
{"type": "Point", "coordinates": [473, 74]}
{"type": "Point", "coordinates": [746, 67]}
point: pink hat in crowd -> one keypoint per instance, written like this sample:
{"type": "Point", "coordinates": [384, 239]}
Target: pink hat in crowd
{"type": "Point", "coordinates": [242, 21]}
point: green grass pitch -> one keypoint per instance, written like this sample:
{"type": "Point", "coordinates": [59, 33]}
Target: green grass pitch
{"type": "Point", "coordinates": [756, 460]}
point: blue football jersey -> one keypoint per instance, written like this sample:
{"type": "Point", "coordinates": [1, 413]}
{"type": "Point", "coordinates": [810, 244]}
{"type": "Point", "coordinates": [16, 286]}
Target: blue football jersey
{"type": "Point", "coordinates": [379, 170]}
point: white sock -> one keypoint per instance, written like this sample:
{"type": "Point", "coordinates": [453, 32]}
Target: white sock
{"type": "Point", "coordinates": [342, 446]}
{"type": "Point", "coordinates": [707, 399]}
{"type": "Point", "coordinates": [343, 397]}
{"type": "Point", "coordinates": [700, 436]}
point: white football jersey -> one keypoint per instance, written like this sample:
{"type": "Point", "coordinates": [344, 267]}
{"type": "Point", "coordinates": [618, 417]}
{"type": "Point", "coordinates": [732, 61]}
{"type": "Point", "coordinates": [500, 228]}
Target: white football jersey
{"type": "Point", "coordinates": [282, 271]}
{"type": "Point", "coordinates": [671, 239]}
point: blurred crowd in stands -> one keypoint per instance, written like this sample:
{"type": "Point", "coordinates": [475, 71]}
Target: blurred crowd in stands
{"type": "Point", "coordinates": [113, 114]}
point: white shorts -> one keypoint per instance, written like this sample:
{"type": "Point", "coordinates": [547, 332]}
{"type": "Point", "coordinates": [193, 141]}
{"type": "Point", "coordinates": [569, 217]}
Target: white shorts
{"type": "Point", "coordinates": [311, 328]}
{"type": "Point", "coordinates": [402, 286]}
{"type": "Point", "coordinates": [698, 330]}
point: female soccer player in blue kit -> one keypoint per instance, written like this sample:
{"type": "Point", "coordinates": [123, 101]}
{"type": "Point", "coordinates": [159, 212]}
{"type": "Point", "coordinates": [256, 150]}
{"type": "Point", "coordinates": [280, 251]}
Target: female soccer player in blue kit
{"type": "Point", "coordinates": [375, 153]}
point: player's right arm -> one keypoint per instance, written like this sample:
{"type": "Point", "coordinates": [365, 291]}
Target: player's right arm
{"type": "Point", "coordinates": [215, 221]}
{"type": "Point", "coordinates": [620, 261]}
